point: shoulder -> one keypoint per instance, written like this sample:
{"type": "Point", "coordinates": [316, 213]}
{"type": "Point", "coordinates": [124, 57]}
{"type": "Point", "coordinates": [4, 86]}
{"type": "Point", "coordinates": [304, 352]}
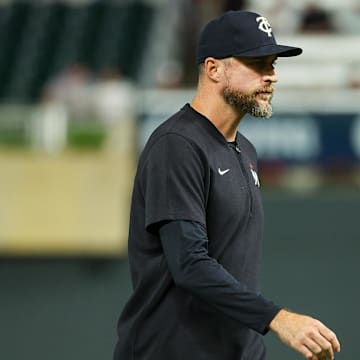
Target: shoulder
{"type": "Point", "coordinates": [171, 151]}
{"type": "Point", "coordinates": [177, 134]}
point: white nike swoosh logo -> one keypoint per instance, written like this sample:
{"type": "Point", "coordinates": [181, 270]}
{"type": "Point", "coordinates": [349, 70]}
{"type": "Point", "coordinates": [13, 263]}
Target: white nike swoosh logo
{"type": "Point", "coordinates": [223, 172]}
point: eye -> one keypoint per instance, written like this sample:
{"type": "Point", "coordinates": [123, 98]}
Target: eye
{"type": "Point", "coordinates": [258, 63]}
{"type": "Point", "coordinates": [261, 63]}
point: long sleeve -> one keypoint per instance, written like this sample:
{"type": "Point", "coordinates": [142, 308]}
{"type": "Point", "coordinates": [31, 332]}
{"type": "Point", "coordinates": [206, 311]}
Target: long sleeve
{"type": "Point", "coordinates": [185, 245]}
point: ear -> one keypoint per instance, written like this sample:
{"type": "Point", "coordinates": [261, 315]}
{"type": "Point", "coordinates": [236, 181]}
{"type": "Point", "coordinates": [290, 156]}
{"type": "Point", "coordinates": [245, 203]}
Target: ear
{"type": "Point", "coordinates": [213, 68]}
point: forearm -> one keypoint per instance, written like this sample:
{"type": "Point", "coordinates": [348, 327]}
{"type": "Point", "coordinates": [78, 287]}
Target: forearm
{"type": "Point", "coordinates": [185, 247]}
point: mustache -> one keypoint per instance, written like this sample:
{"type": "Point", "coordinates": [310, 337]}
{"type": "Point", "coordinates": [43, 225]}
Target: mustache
{"type": "Point", "coordinates": [265, 89]}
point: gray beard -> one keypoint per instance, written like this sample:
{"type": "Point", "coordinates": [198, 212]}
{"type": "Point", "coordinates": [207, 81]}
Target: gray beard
{"type": "Point", "coordinates": [247, 103]}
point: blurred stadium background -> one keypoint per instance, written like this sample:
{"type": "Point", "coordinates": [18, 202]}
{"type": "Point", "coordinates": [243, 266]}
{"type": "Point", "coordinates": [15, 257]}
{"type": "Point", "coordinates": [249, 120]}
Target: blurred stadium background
{"type": "Point", "coordinates": [83, 83]}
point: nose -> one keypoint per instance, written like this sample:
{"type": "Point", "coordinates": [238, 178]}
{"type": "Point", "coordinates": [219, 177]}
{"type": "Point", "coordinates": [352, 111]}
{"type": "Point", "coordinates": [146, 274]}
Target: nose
{"type": "Point", "coordinates": [271, 76]}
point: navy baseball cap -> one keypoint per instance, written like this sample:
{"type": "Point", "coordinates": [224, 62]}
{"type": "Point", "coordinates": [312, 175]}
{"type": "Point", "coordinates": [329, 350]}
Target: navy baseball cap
{"type": "Point", "coordinates": [240, 34]}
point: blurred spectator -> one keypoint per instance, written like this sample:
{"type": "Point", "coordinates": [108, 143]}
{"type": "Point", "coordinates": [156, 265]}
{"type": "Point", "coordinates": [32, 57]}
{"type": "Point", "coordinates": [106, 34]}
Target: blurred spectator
{"type": "Point", "coordinates": [347, 19]}
{"type": "Point", "coordinates": [316, 19]}
{"type": "Point", "coordinates": [114, 103]}
{"type": "Point", "coordinates": [48, 130]}
{"type": "Point", "coordinates": [71, 88]}
{"type": "Point", "coordinates": [284, 15]}
{"type": "Point", "coordinates": [169, 75]}
{"type": "Point", "coordinates": [66, 95]}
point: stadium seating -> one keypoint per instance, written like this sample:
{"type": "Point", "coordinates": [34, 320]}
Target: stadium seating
{"type": "Point", "coordinates": [38, 40]}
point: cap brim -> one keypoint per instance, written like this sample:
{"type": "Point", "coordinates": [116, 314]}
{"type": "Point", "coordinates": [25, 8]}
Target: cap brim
{"type": "Point", "coordinates": [268, 50]}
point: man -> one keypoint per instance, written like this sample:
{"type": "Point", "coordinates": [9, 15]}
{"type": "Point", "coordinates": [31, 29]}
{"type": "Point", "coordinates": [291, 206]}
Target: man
{"type": "Point", "coordinates": [197, 220]}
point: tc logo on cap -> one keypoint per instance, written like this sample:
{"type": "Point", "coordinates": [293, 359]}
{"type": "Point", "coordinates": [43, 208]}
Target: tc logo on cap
{"type": "Point", "coordinates": [264, 25]}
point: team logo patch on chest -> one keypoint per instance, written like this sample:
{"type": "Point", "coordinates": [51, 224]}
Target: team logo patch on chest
{"type": "Point", "coordinates": [254, 175]}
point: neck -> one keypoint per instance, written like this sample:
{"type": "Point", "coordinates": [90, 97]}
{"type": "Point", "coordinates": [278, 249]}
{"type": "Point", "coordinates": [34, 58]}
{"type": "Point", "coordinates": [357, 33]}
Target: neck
{"type": "Point", "coordinates": [222, 115]}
